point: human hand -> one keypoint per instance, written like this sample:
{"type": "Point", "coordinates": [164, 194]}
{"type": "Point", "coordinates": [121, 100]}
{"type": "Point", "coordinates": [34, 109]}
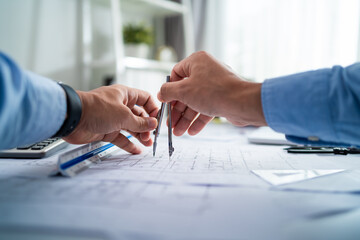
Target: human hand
{"type": "Point", "coordinates": [202, 88]}
{"type": "Point", "coordinates": [107, 110]}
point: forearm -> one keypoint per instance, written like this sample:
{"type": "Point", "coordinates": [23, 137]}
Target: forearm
{"type": "Point", "coordinates": [32, 108]}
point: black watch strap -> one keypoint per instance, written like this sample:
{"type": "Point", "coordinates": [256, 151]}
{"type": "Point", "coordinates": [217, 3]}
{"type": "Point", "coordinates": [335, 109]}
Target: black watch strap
{"type": "Point", "coordinates": [74, 110]}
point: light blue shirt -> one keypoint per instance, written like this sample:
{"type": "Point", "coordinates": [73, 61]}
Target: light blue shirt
{"type": "Point", "coordinates": [319, 107]}
{"type": "Point", "coordinates": [32, 108]}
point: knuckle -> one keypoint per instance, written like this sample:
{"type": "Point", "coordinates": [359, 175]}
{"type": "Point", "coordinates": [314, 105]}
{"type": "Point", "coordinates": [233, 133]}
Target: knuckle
{"type": "Point", "coordinates": [202, 54]}
{"type": "Point", "coordinates": [142, 124]}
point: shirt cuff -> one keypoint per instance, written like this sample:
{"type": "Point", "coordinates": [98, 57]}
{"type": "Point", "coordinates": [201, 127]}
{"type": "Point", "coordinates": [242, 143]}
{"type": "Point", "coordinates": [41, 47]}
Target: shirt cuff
{"type": "Point", "coordinates": [48, 105]}
{"type": "Point", "coordinates": [297, 105]}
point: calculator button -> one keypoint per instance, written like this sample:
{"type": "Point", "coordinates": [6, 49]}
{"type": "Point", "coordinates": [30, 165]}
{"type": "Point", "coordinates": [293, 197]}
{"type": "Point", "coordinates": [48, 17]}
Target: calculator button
{"type": "Point", "coordinates": [25, 147]}
{"type": "Point", "coordinates": [37, 147]}
{"type": "Point", "coordinates": [42, 144]}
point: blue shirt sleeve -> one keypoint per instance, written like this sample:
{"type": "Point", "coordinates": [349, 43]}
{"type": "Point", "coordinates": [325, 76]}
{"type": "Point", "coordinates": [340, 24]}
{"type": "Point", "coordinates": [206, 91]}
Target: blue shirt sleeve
{"type": "Point", "coordinates": [319, 107]}
{"type": "Point", "coordinates": [32, 108]}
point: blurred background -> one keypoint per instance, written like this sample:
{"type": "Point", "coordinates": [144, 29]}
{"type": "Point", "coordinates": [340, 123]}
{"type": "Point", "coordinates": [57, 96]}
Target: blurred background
{"type": "Point", "coordinates": [90, 43]}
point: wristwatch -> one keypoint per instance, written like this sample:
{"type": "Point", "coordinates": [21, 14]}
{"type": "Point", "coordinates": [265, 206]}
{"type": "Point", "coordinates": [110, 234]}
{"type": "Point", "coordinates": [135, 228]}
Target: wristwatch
{"type": "Point", "coordinates": [74, 110]}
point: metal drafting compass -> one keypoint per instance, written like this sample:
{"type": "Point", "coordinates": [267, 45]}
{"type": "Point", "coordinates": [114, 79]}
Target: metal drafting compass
{"type": "Point", "coordinates": [159, 118]}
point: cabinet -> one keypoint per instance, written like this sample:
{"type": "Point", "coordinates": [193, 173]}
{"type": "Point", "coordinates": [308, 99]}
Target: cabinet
{"type": "Point", "coordinates": [97, 15]}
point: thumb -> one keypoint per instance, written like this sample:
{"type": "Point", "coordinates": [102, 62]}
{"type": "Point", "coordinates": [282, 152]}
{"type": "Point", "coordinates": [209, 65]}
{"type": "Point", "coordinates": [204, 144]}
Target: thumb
{"type": "Point", "coordinates": [170, 91]}
{"type": "Point", "coordinates": [140, 124]}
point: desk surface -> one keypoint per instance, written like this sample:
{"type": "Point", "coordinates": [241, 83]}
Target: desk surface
{"type": "Point", "coordinates": [207, 191]}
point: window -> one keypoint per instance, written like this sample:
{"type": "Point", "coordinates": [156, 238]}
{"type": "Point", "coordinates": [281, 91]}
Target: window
{"type": "Point", "coordinates": [268, 38]}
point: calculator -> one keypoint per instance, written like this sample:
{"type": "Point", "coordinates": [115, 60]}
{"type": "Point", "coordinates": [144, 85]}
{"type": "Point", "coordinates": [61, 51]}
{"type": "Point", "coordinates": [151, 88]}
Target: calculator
{"type": "Point", "coordinates": [38, 150]}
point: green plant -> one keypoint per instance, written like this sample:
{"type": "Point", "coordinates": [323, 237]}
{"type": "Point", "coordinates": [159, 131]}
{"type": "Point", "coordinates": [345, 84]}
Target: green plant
{"type": "Point", "coordinates": [137, 34]}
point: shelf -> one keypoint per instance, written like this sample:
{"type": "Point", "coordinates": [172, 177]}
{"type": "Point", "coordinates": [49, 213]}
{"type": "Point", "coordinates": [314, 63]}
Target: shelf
{"type": "Point", "coordinates": [148, 64]}
{"type": "Point", "coordinates": [158, 8]}
{"type": "Point", "coordinates": [135, 63]}
{"type": "Point", "coordinates": [101, 63]}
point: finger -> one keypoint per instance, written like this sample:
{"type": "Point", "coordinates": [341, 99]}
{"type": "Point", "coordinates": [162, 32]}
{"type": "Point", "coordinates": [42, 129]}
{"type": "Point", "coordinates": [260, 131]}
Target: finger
{"type": "Point", "coordinates": [139, 111]}
{"type": "Point", "coordinates": [171, 91]}
{"type": "Point", "coordinates": [199, 124]}
{"type": "Point", "coordinates": [137, 123]}
{"type": "Point", "coordinates": [145, 100]}
{"type": "Point", "coordinates": [124, 143]}
{"type": "Point", "coordinates": [154, 113]}
{"type": "Point", "coordinates": [181, 70]}
{"type": "Point", "coordinates": [184, 122]}
{"type": "Point", "coordinates": [173, 103]}
{"type": "Point", "coordinates": [176, 112]}
{"type": "Point", "coordinates": [110, 136]}
{"type": "Point", "coordinates": [144, 138]}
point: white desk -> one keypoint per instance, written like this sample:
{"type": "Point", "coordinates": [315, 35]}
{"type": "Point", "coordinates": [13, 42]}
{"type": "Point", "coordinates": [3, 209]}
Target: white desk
{"type": "Point", "coordinates": [189, 197]}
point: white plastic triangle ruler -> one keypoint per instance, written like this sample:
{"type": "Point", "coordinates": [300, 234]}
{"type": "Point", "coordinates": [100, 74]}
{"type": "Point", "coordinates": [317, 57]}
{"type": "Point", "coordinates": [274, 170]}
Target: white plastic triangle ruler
{"type": "Point", "coordinates": [77, 160]}
{"type": "Point", "coordinates": [279, 177]}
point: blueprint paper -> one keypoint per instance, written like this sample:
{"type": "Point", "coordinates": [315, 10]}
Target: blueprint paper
{"type": "Point", "coordinates": [206, 191]}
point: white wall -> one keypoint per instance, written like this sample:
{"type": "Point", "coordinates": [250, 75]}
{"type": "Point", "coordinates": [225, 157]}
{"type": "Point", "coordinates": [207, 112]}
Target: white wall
{"type": "Point", "coordinates": [270, 38]}
{"type": "Point", "coordinates": [15, 27]}
{"type": "Point", "coordinates": [262, 39]}
{"type": "Point", "coordinates": [46, 37]}
{"type": "Point", "coordinates": [54, 38]}
{"type": "Point", "coordinates": [41, 36]}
